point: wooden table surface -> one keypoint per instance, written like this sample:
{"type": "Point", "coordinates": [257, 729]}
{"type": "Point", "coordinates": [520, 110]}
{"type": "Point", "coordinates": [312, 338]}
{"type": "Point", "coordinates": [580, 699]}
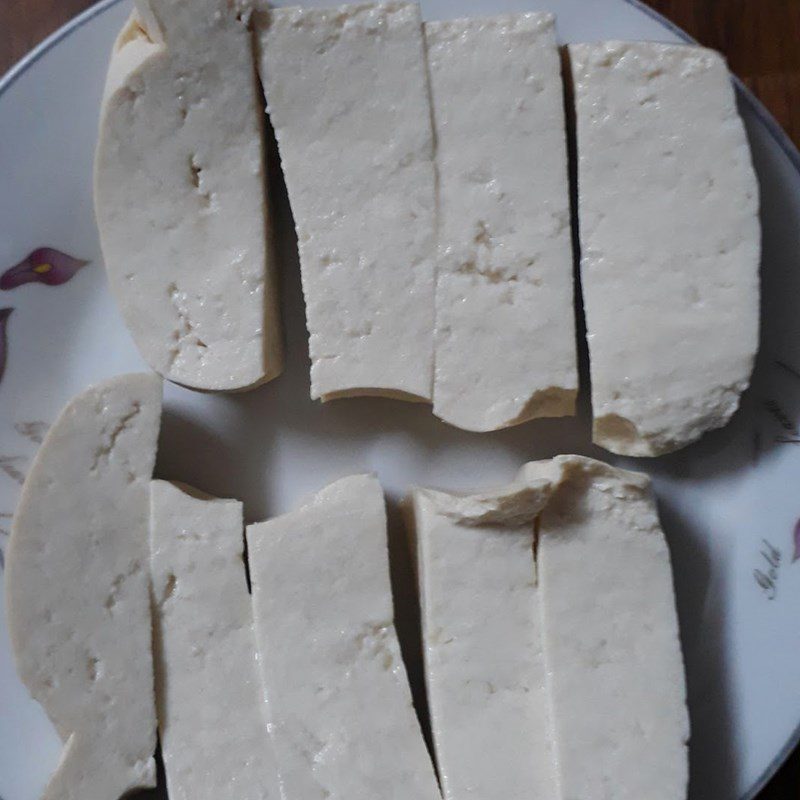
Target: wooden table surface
{"type": "Point", "coordinates": [761, 39]}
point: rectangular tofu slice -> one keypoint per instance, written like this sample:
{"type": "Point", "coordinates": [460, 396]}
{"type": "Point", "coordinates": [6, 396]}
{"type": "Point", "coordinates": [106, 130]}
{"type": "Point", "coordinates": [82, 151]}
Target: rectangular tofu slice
{"type": "Point", "coordinates": [611, 636]}
{"type": "Point", "coordinates": [211, 718]}
{"type": "Point", "coordinates": [180, 198]}
{"type": "Point", "coordinates": [77, 588]}
{"type": "Point", "coordinates": [484, 663]}
{"type": "Point", "coordinates": [348, 99]}
{"type": "Point", "coordinates": [338, 699]}
{"type": "Point", "coordinates": [505, 323]}
{"type": "Point", "coordinates": [670, 241]}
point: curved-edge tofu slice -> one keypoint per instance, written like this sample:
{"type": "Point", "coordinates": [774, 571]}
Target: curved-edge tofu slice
{"type": "Point", "coordinates": [484, 664]}
{"type": "Point", "coordinates": [77, 588]}
{"type": "Point", "coordinates": [348, 99]}
{"type": "Point", "coordinates": [212, 724]}
{"type": "Point", "coordinates": [338, 699]}
{"type": "Point", "coordinates": [179, 196]}
{"type": "Point", "coordinates": [505, 322]}
{"type": "Point", "coordinates": [611, 636]}
{"type": "Point", "coordinates": [668, 204]}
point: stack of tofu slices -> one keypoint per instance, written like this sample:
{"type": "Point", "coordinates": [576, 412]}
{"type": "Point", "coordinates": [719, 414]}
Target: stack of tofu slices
{"type": "Point", "coordinates": [427, 171]}
{"type": "Point", "coordinates": [552, 659]}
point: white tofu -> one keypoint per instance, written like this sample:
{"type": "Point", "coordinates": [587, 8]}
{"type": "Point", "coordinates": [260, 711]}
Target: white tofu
{"type": "Point", "coordinates": [77, 588]}
{"type": "Point", "coordinates": [484, 663]}
{"type": "Point", "coordinates": [338, 700]}
{"type": "Point", "coordinates": [561, 678]}
{"type": "Point", "coordinates": [348, 99]}
{"type": "Point", "coordinates": [670, 240]}
{"type": "Point", "coordinates": [179, 196]}
{"type": "Point", "coordinates": [505, 323]}
{"type": "Point", "coordinates": [611, 636]}
{"type": "Point", "coordinates": [211, 719]}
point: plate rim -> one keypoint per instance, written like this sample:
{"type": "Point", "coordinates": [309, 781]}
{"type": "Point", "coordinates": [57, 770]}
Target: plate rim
{"type": "Point", "coordinates": [18, 69]}
{"type": "Point", "coordinates": [761, 112]}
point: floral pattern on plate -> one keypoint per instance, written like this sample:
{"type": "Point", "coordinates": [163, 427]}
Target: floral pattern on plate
{"type": "Point", "coordinates": [5, 313]}
{"type": "Point", "coordinates": [43, 265]}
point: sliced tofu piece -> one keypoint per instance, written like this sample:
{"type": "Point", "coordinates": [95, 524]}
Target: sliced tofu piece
{"type": "Point", "coordinates": [482, 640]}
{"type": "Point", "coordinates": [611, 636]}
{"type": "Point", "coordinates": [211, 718]}
{"type": "Point", "coordinates": [348, 99]}
{"type": "Point", "coordinates": [338, 700]}
{"type": "Point", "coordinates": [670, 240]}
{"type": "Point", "coordinates": [77, 588]}
{"type": "Point", "coordinates": [505, 323]}
{"type": "Point", "coordinates": [180, 198]}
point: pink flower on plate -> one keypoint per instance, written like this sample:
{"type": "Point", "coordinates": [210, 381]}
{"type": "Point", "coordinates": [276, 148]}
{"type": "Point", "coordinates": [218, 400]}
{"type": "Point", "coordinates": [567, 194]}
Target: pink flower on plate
{"type": "Point", "coordinates": [796, 553]}
{"type": "Point", "coordinates": [5, 313]}
{"type": "Point", "coordinates": [44, 265]}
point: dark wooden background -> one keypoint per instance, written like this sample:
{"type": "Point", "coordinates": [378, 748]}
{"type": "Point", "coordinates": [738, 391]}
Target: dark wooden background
{"type": "Point", "coordinates": [761, 39]}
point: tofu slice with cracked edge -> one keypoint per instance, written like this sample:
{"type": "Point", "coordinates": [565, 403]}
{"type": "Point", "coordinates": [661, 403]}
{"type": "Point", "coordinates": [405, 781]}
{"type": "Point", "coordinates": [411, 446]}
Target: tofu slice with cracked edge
{"type": "Point", "coordinates": [482, 641]}
{"type": "Point", "coordinates": [180, 196]}
{"type": "Point", "coordinates": [611, 639]}
{"type": "Point", "coordinates": [670, 240]}
{"type": "Point", "coordinates": [348, 98]}
{"type": "Point", "coordinates": [339, 704]}
{"type": "Point", "coordinates": [213, 727]}
{"type": "Point", "coordinates": [505, 322]}
{"type": "Point", "coordinates": [77, 588]}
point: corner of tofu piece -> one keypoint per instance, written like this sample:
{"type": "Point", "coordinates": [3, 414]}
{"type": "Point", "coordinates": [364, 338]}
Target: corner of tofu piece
{"type": "Point", "coordinates": [566, 468]}
{"type": "Point", "coordinates": [347, 96]}
{"type": "Point", "coordinates": [670, 241]}
{"type": "Point", "coordinates": [485, 672]}
{"type": "Point", "coordinates": [510, 506]}
{"type": "Point", "coordinates": [611, 637]}
{"type": "Point", "coordinates": [77, 587]}
{"type": "Point", "coordinates": [505, 322]}
{"type": "Point", "coordinates": [179, 189]}
{"type": "Point", "coordinates": [338, 700]}
{"type": "Point", "coordinates": [212, 724]}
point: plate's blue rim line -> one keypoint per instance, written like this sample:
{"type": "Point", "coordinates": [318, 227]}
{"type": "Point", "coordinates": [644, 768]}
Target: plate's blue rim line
{"type": "Point", "coordinates": [759, 109]}
{"type": "Point", "coordinates": [24, 64]}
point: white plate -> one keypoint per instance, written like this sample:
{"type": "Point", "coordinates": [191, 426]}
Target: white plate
{"type": "Point", "coordinates": [729, 504]}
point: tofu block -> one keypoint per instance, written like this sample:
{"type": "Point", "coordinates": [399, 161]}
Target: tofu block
{"type": "Point", "coordinates": [485, 673]}
{"type": "Point", "coordinates": [505, 322]}
{"type": "Point", "coordinates": [552, 659]}
{"type": "Point", "coordinates": [611, 639]}
{"type": "Point", "coordinates": [213, 728]}
{"type": "Point", "coordinates": [180, 196]}
{"type": "Point", "coordinates": [77, 588]}
{"type": "Point", "coordinates": [670, 242]}
{"type": "Point", "coordinates": [348, 98]}
{"type": "Point", "coordinates": [338, 700]}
